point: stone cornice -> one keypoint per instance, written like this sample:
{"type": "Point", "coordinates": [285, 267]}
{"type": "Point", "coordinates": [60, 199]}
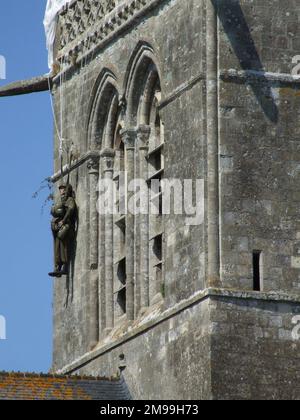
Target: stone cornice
{"type": "Point", "coordinates": [82, 31]}
{"type": "Point", "coordinates": [160, 315]}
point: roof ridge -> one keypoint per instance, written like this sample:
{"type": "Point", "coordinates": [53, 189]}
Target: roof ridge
{"type": "Point", "coordinates": [56, 376]}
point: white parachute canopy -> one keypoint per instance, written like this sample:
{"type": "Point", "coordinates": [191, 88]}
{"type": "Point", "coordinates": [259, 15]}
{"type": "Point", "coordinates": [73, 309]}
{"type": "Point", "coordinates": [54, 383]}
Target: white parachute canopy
{"type": "Point", "coordinates": [50, 21]}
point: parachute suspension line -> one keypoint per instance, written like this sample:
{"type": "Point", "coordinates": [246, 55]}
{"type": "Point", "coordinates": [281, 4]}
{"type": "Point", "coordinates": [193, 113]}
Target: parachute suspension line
{"type": "Point", "coordinates": [61, 109]}
{"type": "Point", "coordinates": [83, 64]}
{"type": "Point", "coordinates": [79, 99]}
{"type": "Point", "coordinates": [70, 163]}
{"type": "Point", "coordinates": [69, 150]}
{"type": "Point", "coordinates": [53, 111]}
{"type": "Point", "coordinates": [63, 147]}
{"type": "Point", "coordinates": [61, 132]}
{"type": "Point", "coordinates": [62, 82]}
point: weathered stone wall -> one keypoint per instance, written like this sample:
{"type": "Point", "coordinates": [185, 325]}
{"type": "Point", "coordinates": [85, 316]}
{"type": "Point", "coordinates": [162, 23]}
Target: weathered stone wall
{"type": "Point", "coordinates": [174, 29]}
{"type": "Point", "coordinates": [170, 360]}
{"type": "Point", "coordinates": [259, 148]}
{"type": "Point", "coordinates": [222, 345]}
{"type": "Point", "coordinates": [258, 35]}
{"type": "Point", "coordinates": [254, 354]}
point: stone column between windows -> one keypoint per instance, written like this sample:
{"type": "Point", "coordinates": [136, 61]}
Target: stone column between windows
{"type": "Point", "coordinates": [137, 242]}
{"type": "Point", "coordinates": [143, 135]}
{"type": "Point", "coordinates": [101, 266]}
{"type": "Point", "coordinates": [107, 158]}
{"type": "Point", "coordinates": [93, 170]}
{"type": "Point", "coordinates": [129, 138]}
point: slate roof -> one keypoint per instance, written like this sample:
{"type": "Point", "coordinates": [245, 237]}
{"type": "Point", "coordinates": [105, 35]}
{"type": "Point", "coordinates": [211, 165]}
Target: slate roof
{"type": "Point", "coordinates": [27, 386]}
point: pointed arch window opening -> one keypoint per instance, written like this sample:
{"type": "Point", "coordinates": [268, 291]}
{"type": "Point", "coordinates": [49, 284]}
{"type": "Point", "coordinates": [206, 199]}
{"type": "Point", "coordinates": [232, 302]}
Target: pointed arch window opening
{"type": "Point", "coordinates": [120, 224]}
{"type": "Point", "coordinates": [156, 166]}
{"type": "Point", "coordinates": [110, 125]}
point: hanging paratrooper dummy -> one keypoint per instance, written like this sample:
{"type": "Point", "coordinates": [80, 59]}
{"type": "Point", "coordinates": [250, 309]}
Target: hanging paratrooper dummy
{"type": "Point", "coordinates": [63, 226]}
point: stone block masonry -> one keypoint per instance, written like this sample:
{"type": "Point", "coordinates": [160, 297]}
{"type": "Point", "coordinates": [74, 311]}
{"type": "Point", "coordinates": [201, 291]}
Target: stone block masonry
{"type": "Point", "coordinates": [198, 89]}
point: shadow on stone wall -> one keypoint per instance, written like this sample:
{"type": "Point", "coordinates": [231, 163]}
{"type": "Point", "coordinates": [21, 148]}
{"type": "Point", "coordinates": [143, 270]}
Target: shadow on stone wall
{"type": "Point", "coordinates": [70, 276]}
{"type": "Point", "coordinates": [237, 30]}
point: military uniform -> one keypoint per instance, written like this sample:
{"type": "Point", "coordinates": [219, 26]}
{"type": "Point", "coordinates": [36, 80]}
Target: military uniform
{"type": "Point", "coordinates": [63, 227]}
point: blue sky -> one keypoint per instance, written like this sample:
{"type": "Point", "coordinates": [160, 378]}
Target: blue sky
{"type": "Point", "coordinates": [26, 159]}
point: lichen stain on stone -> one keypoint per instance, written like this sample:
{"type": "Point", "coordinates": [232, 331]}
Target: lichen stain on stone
{"type": "Point", "coordinates": [288, 92]}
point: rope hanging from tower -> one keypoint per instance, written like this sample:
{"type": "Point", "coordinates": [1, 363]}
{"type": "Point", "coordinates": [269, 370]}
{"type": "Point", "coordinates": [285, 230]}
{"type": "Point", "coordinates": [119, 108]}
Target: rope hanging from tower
{"type": "Point", "coordinates": [63, 142]}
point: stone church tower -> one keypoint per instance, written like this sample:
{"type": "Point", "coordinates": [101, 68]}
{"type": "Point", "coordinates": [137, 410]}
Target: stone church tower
{"type": "Point", "coordinates": [182, 90]}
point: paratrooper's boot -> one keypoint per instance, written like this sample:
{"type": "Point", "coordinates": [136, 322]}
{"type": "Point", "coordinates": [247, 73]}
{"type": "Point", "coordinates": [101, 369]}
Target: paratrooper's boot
{"type": "Point", "coordinates": [56, 272]}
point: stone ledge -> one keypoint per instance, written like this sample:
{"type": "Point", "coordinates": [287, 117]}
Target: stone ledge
{"type": "Point", "coordinates": [159, 316]}
{"type": "Point", "coordinates": [255, 76]}
{"type": "Point", "coordinates": [250, 295]}
{"type": "Point", "coordinates": [24, 87]}
{"type": "Point", "coordinates": [70, 168]}
{"type": "Point", "coordinates": [30, 375]}
{"type": "Point", "coordinates": [180, 90]}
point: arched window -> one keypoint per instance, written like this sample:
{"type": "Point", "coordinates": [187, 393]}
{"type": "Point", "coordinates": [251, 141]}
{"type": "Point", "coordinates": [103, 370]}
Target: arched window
{"type": "Point", "coordinates": [143, 94]}
{"type": "Point", "coordinates": [156, 171]}
{"type": "Point", "coordinates": [120, 226]}
{"type": "Point", "coordinates": [130, 141]}
{"type": "Point", "coordinates": [102, 131]}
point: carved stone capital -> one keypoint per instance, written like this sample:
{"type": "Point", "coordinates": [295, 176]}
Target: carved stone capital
{"type": "Point", "coordinates": [107, 158]}
{"type": "Point", "coordinates": [93, 165]}
{"type": "Point", "coordinates": [129, 137]}
{"type": "Point", "coordinates": [107, 153]}
{"type": "Point", "coordinates": [143, 135]}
